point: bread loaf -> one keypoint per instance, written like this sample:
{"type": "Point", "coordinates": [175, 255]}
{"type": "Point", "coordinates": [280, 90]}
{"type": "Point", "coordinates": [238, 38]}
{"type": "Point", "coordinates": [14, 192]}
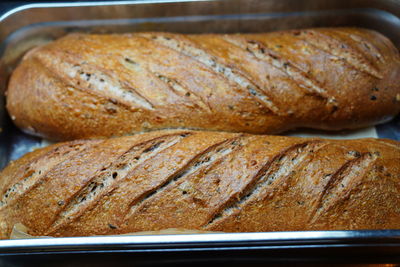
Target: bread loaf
{"type": "Point", "coordinates": [85, 86]}
{"type": "Point", "coordinates": [209, 181]}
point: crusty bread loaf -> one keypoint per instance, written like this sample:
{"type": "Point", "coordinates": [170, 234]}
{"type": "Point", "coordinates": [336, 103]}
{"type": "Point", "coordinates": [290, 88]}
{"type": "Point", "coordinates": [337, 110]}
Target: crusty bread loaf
{"type": "Point", "coordinates": [202, 180]}
{"type": "Point", "coordinates": [85, 86]}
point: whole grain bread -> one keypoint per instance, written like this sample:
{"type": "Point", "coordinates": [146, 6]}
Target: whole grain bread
{"type": "Point", "coordinates": [210, 181]}
{"type": "Point", "coordinates": [85, 86]}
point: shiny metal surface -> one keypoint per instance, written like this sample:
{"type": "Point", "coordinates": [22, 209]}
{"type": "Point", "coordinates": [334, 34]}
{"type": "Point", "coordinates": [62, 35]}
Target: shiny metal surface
{"type": "Point", "coordinates": [27, 26]}
{"type": "Point", "coordinates": [272, 239]}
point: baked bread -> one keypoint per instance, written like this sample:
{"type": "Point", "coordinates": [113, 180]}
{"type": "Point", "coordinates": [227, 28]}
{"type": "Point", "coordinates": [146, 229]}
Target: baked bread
{"type": "Point", "coordinates": [202, 181]}
{"type": "Point", "coordinates": [86, 86]}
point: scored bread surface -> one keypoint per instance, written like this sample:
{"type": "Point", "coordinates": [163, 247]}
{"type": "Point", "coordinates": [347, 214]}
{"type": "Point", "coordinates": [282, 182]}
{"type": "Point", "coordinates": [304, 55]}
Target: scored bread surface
{"type": "Point", "coordinates": [202, 181]}
{"type": "Point", "coordinates": [87, 85]}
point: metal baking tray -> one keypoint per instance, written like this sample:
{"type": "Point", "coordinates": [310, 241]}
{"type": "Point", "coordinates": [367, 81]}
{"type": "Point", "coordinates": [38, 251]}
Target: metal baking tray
{"type": "Point", "coordinates": [26, 26]}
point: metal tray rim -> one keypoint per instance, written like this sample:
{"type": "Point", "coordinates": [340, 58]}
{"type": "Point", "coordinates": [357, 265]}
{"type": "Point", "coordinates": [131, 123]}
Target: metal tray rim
{"type": "Point", "coordinates": [88, 4]}
{"type": "Point", "coordinates": [227, 241]}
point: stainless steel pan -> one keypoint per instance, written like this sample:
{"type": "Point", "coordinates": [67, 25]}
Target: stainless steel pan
{"type": "Point", "coordinates": [27, 26]}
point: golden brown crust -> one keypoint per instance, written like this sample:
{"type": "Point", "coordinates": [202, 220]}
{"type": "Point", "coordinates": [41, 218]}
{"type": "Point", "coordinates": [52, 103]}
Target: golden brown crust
{"type": "Point", "coordinates": [205, 181]}
{"type": "Point", "coordinates": [85, 86]}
